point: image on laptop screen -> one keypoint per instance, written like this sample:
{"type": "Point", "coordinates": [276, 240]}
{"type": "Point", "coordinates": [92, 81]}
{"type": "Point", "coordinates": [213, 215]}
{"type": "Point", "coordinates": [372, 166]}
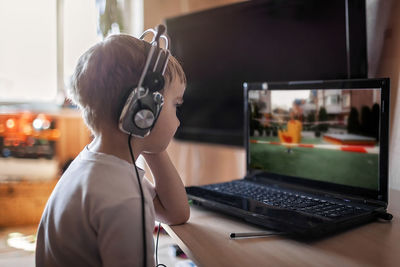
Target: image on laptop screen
{"type": "Point", "coordinates": [328, 135]}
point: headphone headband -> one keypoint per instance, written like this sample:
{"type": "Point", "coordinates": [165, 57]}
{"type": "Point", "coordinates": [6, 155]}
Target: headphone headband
{"type": "Point", "coordinates": [157, 58]}
{"type": "Point", "coordinates": [144, 103]}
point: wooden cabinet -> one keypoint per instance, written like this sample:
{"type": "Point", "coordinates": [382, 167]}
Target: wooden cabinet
{"type": "Point", "coordinates": [22, 202]}
{"type": "Point", "coordinates": [26, 184]}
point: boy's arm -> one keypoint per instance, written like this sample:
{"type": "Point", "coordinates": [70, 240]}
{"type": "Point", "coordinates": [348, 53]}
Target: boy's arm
{"type": "Point", "coordinates": [171, 203]}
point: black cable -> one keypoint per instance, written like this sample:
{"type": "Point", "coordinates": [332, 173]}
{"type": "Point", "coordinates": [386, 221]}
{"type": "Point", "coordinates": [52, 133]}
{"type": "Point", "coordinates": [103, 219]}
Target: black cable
{"type": "Point", "coordinates": [142, 197]}
{"type": "Point", "coordinates": [158, 233]}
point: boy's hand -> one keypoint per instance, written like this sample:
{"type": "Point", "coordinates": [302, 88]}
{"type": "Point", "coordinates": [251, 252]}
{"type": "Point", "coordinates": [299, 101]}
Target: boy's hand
{"type": "Point", "coordinates": [171, 204]}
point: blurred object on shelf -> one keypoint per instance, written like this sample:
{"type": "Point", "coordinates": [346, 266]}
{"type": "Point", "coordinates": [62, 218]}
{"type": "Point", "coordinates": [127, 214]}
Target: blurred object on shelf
{"type": "Point", "coordinates": [28, 135]}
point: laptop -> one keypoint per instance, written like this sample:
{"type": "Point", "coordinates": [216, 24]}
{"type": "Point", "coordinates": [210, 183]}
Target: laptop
{"type": "Point", "coordinates": [317, 157]}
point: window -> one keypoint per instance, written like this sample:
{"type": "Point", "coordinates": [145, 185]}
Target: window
{"type": "Point", "coordinates": [42, 41]}
{"type": "Point", "coordinates": [80, 32]}
{"type": "Point", "coordinates": [28, 50]}
{"type": "Point", "coordinates": [333, 100]}
{"type": "Point", "coordinates": [30, 43]}
{"type": "Point", "coordinates": [346, 100]}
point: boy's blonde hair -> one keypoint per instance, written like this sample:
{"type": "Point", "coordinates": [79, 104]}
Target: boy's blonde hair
{"type": "Point", "coordinates": [105, 76]}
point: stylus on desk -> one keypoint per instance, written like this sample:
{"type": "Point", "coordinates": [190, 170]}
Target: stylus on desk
{"type": "Point", "coordinates": [254, 234]}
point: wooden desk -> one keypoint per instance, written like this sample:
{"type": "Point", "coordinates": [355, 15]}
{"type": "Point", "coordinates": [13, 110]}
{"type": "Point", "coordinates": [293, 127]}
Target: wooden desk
{"type": "Point", "coordinates": [205, 239]}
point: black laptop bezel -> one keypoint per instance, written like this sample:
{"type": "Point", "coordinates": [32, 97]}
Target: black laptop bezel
{"type": "Point", "coordinates": [381, 195]}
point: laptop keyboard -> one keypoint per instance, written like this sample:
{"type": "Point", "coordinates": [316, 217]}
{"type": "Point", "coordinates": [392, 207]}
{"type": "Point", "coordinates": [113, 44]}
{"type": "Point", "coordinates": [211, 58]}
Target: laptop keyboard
{"type": "Point", "coordinates": [286, 199]}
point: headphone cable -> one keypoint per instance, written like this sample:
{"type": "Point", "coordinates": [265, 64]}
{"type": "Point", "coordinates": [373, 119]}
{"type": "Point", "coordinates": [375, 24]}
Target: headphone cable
{"type": "Point", "coordinates": [158, 233]}
{"type": "Point", "coordinates": [142, 197]}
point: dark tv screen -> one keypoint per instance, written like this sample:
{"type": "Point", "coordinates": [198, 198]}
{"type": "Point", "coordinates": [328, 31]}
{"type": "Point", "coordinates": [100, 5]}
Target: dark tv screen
{"type": "Point", "coordinates": [275, 40]}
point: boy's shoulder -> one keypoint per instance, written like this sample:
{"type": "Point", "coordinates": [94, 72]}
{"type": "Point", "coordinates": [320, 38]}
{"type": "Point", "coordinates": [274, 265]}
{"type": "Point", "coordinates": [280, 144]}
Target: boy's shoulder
{"type": "Point", "coordinates": [99, 175]}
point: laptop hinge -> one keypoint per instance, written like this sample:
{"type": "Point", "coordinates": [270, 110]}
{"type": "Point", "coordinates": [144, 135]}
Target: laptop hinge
{"type": "Point", "coordinates": [368, 202]}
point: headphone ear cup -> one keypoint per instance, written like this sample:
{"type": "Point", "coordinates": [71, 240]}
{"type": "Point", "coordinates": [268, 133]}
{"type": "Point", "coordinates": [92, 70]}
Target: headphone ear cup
{"type": "Point", "coordinates": [154, 81]}
{"type": "Point", "coordinates": [145, 113]}
{"type": "Point", "coordinates": [144, 119]}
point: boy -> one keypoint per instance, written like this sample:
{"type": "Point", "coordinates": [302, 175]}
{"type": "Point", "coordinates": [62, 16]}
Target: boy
{"type": "Point", "coordinates": [93, 217]}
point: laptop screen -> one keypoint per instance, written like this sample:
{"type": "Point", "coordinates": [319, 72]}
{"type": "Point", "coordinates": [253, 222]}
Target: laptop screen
{"type": "Point", "coordinates": [325, 135]}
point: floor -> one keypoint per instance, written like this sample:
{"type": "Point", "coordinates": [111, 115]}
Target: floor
{"type": "Point", "coordinates": [17, 248]}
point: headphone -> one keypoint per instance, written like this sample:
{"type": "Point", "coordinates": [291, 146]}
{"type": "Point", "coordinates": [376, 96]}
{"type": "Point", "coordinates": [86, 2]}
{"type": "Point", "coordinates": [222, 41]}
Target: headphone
{"type": "Point", "coordinates": [144, 103]}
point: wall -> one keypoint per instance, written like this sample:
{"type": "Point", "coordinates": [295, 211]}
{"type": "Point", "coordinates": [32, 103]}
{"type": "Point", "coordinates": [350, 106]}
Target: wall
{"type": "Point", "coordinates": [390, 67]}
{"type": "Point", "coordinates": [155, 11]}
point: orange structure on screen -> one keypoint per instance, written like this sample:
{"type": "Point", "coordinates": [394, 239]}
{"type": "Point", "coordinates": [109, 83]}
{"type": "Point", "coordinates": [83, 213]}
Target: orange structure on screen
{"type": "Point", "coordinates": [293, 132]}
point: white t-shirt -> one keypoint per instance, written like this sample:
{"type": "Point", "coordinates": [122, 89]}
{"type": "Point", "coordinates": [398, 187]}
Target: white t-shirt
{"type": "Point", "coordinates": [94, 217]}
